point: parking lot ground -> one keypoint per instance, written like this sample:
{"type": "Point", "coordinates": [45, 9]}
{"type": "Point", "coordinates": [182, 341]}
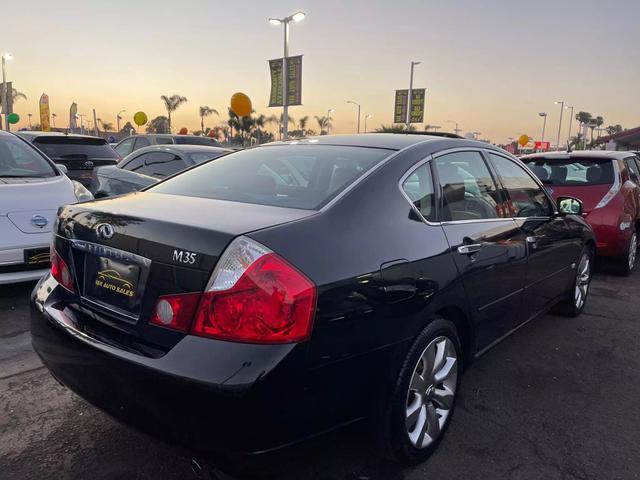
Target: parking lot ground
{"type": "Point", "coordinates": [557, 400]}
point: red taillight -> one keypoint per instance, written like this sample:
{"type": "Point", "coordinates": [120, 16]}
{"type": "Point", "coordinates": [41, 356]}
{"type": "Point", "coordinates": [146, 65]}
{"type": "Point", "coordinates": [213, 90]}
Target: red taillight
{"type": "Point", "coordinates": [175, 311]}
{"type": "Point", "coordinates": [256, 296]}
{"type": "Point", "coordinates": [60, 271]}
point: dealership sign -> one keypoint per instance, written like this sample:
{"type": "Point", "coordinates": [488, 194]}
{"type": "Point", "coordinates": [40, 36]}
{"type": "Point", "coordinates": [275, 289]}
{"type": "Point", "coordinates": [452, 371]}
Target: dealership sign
{"type": "Point", "coordinates": [544, 146]}
{"type": "Point", "coordinates": [294, 81]}
{"type": "Point", "coordinates": [417, 106]}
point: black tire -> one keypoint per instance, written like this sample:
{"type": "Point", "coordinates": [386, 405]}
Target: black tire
{"type": "Point", "coordinates": [388, 423]}
{"type": "Point", "coordinates": [624, 264]}
{"type": "Point", "coordinates": [569, 307]}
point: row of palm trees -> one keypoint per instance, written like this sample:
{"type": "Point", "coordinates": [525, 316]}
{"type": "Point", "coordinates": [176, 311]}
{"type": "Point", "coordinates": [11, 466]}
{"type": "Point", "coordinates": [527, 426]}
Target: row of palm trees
{"type": "Point", "coordinates": [594, 123]}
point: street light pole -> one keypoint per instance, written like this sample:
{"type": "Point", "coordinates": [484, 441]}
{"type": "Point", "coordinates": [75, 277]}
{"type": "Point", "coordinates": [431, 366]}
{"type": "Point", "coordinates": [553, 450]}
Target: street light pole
{"type": "Point", "coordinates": [561, 103]}
{"type": "Point", "coordinates": [30, 127]}
{"type": "Point", "coordinates": [296, 17]}
{"type": "Point", "coordinates": [570, 121]}
{"type": "Point", "coordinates": [365, 121]}
{"type": "Point", "coordinates": [53, 118]}
{"type": "Point", "coordinates": [118, 118]}
{"type": "Point", "coordinates": [409, 102]}
{"type": "Point", "coordinates": [544, 124]}
{"type": "Point", "coordinates": [329, 112]}
{"type": "Point", "coordinates": [358, 105]}
{"type": "Point", "coordinates": [456, 130]}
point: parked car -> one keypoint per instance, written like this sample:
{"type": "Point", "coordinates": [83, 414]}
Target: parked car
{"type": "Point", "coordinates": [31, 190]}
{"type": "Point", "coordinates": [135, 142]}
{"type": "Point", "coordinates": [608, 184]}
{"type": "Point", "coordinates": [284, 290]}
{"type": "Point", "coordinates": [80, 154]}
{"type": "Point", "coordinates": [146, 166]}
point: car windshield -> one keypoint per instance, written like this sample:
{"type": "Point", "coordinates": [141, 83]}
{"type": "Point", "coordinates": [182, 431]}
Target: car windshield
{"type": "Point", "coordinates": [297, 176]}
{"type": "Point", "coordinates": [64, 147]}
{"type": "Point", "coordinates": [578, 171]}
{"type": "Point", "coordinates": [200, 157]}
{"type": "Point", "coordinates": [193, 140]}
{"type": "Point", "coordinates": [18, 159]}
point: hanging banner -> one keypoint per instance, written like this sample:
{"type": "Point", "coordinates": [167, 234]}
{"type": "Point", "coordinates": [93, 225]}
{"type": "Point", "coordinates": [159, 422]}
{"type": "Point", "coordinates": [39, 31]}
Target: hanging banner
{"type": "Point", "coordinates": [73, 112]}
{"type": "Point", "coordinates": [417, 106]}
{"type": "Point", "coordinates": [294, 81]}
{"type": "Point", "coordinates": [45, 123]}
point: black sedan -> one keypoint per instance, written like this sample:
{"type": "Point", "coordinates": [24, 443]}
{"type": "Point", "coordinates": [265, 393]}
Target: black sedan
{"type": "Point", "coordinates": [146, 166]}
{"type": "Point", "coordinates": [284, 290]}
{"type": "Point", "coordinates": [80, 154]}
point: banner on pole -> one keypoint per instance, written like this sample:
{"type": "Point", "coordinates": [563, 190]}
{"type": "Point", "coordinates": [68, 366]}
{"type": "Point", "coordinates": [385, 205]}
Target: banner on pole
{"type": "Point", "coordinates": [294, 81]}
{"type": "Point", "coordinates": [73, 112]}
{"type": "Point", "coordinates": [45, 123]}
{"type": "Point", "coordinates": [417, 106]}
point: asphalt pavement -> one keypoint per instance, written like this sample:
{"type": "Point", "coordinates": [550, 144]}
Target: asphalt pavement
{"type": "Point", "coordinates": [556, 400]}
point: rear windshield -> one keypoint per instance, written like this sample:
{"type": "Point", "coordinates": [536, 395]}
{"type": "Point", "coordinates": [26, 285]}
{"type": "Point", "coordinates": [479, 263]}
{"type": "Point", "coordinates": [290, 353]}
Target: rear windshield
{"type": "Point", "coordinates": [193, 140]}
{"type": "Point", "coordinates": [75, 148]}
{"type": "Point", "coordinates": [18, 159]}
{"type": "Point", "coordinates": [297, 176]}
{"type": "Point", "coordinates": [572, 171]}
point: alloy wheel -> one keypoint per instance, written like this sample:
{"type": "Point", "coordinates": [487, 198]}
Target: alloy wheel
{"type": "Point", "coordinates": [582, 281]}
{"type": "Point", "coordinates": [633, 249]}
{"type": "Point", "coordinates": [431, 392]}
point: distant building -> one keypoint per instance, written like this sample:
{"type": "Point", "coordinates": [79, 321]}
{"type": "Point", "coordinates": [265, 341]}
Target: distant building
{"type": "Point", "coordinates": [625, 140]}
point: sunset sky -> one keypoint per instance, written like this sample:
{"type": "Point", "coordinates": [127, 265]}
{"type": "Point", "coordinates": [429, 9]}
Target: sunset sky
{"type": "Point", "coordinates": [490, 65]}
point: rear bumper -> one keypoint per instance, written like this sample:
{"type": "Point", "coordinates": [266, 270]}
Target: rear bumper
{"type": "Point", "coordinates": [206, 395]}
{"type": "Point", "coordinates": [25, 276]}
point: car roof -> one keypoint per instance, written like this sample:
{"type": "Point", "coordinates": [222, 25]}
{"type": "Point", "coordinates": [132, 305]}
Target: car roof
{"type": "Point", "coordinates": [391, 141]}
{"type": "Point", "coordinates": [182, 149]}
{"type": "Point", "coordinates": [613, 155]}
{"type": "Point", "coordinates": [36, 134]}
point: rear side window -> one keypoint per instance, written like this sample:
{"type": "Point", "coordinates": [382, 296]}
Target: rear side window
{"type": "Point", "coordinates": [526, 196]}
{"type": "Point", "coordinates": [468, 190]}
{"type": "Point", "coordinates": [200, 157]}
{"type": "Point", "coordinates": [162, 164]}
{"type": "Point", "coordinates": [164, 141]}
{"type": "Point", "coordinates": [68, 148]}
{"type": "Point", "coordinates": [578, 171]}
{"type": "Point", "coordinates": [141, 142]}
{"type": "Point", "coordinates": [419, 188]}
{"type": "Point", "coordinates": [297, 176]}
{"type": "Point", "coordinates": [19, 159]}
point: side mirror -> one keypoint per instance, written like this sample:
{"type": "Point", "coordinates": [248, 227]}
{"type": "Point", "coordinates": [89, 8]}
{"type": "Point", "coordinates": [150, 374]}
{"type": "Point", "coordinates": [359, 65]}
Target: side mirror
{"type": "Point", "coordinates": [62, 168]}
{"type": "Point", "coordinates": [569, 206]}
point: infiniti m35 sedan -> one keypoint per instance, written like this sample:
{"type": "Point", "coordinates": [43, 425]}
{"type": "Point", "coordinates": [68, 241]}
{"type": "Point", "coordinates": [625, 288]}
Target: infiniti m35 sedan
{"type": "Point", "coordinates": [281, 291]}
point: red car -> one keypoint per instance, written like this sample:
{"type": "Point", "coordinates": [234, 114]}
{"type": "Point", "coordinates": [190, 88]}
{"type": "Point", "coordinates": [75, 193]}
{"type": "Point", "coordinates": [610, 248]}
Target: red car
{"type": "Point", "coordinates": [608, 184]}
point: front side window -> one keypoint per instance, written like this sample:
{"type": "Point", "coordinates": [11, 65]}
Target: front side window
{"type": "Point", "coordinates": [163, 164]}
{"type": "Point", "coordinates": [124, 148]}
{"type": "Point", "coordinates": [468, 190]}
{"type": "Point", "coordinates": [296, 176]}
{"type": "Point", "coordinates": [419, 188]}
{"type": "Point", "coordinates": [18, 159]}
{"type": "Point", "coordinates": [527, 198]}
{"type": "Point", "coordinates": [141, 142]}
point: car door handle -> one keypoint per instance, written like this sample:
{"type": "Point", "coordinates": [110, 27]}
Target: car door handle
{"type": "Point", "coordinates": [469, 249]}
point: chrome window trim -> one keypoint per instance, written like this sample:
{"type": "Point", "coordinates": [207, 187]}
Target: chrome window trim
{"type": "Point", "coordinates": [404, 177]}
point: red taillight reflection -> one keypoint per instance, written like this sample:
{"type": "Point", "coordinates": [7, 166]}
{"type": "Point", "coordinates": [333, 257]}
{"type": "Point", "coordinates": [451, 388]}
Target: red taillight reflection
{"type": "Point", "coordinates": [60, 271]}
{"type": "Point", "coordinates": [175, 311]}
{"type": "Point", "coordinates": [271, 302]}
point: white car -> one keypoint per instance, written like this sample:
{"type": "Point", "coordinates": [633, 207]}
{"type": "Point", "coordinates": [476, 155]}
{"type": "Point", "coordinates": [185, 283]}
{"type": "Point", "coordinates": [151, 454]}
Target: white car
{"type": "Point", "coordinates": [32, 188]}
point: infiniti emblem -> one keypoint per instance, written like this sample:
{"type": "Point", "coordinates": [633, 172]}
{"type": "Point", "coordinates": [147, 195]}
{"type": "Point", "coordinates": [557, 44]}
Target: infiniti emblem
{"type": "Point", "coordinates": [104, 231]}
{"type": "Point", "coordinates": [39, 221]}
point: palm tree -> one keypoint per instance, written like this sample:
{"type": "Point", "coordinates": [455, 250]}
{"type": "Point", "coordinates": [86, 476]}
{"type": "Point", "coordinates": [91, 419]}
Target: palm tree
{"type": "Point", "coordinates": [611, 129]}
{"type": "Point", "coordinates": [106, 126]}
{"type": "Point", "coordinates": [302, 124]}
{"type": "Point", "coordinates": [599, 122]}
{"type": "Point", "coordinates": [16, 95]}
{"type": "Point", "coordinates": [171, 104]}
{"type": "Point", "coordinates": [204, 112]}
{"type": "Point", "coordinates": [584, 118]}
{"type": "Point", "coordinates": [324, 123]}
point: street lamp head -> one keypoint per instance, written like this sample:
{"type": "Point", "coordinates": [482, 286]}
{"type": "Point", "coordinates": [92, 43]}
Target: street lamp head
{"type": "Point", "coordinates": [558, 102]}
{"type": "Point", "coordinates": [275, 21]}
{"type": "Point", "coordinates": [296, 17]}
{"type": "Point", "coordinates": [7, 56]}
{"type": "Point", "coordinates": [331, 110]}
{"type": "Point", "coordinates": [542, 114]}
{"type": "Point", "coordinates": [368, 116]}
{"type": "Point", "coordinates": [568, 107]}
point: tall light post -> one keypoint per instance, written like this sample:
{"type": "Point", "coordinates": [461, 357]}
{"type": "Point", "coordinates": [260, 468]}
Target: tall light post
{"type": "Point", "coordinates": [544, 124]}
{"type": "Point", "coordinates": [5, 57]}
{"type": "Point", "coordinates": [118, 118]}
{"type": "Point", "coordinates": [456, 130]}
{"type": "Point", "coordinates": [81, 116]}
{"type": "Point", "coordinates": [329, 112]}
{"type": "Point", "coordinates": [409, 103]}
{"type": "Point", "coordinates": [29, 115]}
{"type": "Point", "coordinates": [365, 121]}
{"type": "Point", "coordinates": [53, 119]}
{"type": "Point", "coordinates": [561, 103]}
{"type": "Point", "coordinates": [570, 107]}
{"type": "Point", "coordinates": [357, 105]}
{"type": "Point", "coordinates": [296, 17]}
